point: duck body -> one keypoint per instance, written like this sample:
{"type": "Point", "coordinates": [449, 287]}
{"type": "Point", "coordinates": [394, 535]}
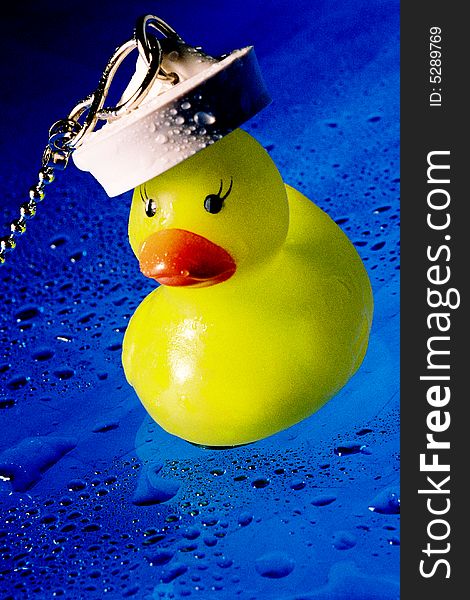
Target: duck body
{"type": "Point", "coordinates": [235, 362]}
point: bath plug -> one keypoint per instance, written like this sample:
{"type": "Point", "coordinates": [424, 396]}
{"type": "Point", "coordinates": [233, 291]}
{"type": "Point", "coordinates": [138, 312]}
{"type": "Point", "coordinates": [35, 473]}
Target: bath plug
{"type": "Point", "coordinates": [263, 308]}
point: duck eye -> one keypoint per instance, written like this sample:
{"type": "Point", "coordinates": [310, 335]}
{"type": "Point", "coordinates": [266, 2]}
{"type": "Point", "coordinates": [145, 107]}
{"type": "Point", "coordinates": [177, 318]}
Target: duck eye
{"type": "Point", "coordinates": [150, 203]}
{"type": "Point", "coordinates": [215, 202]}
{"type": "Point", "coordinates": [150, 207]}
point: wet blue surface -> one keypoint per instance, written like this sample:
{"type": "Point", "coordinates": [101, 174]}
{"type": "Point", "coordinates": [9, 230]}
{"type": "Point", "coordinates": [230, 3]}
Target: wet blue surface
{"type": "Point", "coordinates": [98, 501]}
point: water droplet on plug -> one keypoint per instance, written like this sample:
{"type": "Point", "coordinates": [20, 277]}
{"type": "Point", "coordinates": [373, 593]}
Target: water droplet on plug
{"type": "Point", "coordinates": [161, 139]}
{"type": "Point", "coordinates": [204, 118]}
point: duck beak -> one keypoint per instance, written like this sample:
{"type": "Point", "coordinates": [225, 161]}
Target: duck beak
{"type": "Point", "coordinates": [177, 257]}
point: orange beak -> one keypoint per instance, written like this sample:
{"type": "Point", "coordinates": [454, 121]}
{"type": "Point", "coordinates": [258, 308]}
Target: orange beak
{"type": "Point", "coordinates": [177, 257]}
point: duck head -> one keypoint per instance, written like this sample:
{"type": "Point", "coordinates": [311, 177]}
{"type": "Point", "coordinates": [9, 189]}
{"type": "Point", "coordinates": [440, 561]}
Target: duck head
{"type": "Point", "coordinates": [211, 217]}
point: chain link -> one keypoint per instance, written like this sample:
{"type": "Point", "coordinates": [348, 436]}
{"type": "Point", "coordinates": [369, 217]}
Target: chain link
{"type": "Point", "coordinates": [67, 134]}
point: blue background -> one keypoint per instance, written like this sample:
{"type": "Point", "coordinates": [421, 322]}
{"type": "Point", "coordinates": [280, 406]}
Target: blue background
{"type": "Point", "coordinates": [310, 513]}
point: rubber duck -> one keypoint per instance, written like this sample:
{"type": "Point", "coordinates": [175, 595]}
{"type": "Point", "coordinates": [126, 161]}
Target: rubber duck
{"type": "Point", "coordinates": [264, 307]}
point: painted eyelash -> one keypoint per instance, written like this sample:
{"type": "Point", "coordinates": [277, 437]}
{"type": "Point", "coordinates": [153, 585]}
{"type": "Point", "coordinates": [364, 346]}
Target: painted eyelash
{"type": "Point", "coordinates": [142, 197]}
{"type": "Point", "coordinates": [228, 191]}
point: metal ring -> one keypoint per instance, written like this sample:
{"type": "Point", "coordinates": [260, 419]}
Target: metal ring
{"type": "Point", "coordinates": [145, 44]}
{"type": "Point", "coordinates": [143, 41]}
{"type": "Point", "coordinates": [150, 50]}
{"type": "Point", "coordinates": [95, 101]}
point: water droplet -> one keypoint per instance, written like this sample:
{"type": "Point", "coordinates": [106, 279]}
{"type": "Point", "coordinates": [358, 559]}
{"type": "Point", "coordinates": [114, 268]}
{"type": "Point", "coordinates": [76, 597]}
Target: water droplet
{"type": "Point", "coordinates": [105, 427]}
{"type": "Point", "coordinates": [260, 483]}
{"type": "Point", "coordinates": [187, 547]}
{"type": "Point", "coordinates": [179, 120]}
{"type": "Point", "coordinates": [210, 541]}
{"type": "Point", "coordinates": [115, 347]}
{"type": "Point", "coordinates": [204, 118]}
{"type": "Point", "coordinates": [154, 539]}
{"type": "Point", "coordinates": [322, 500]}
{"type": "Point", "coordinates": [274, 565]}
{"type": "Point", "coordinates": [161, 139]}
{"type": "Point", "coordinates": [191, 534]}
{"type": "Point", "coordinates": [64, 374]}
{"type": "Point", "coordinates": [42, 355]}
{"type": "Point", "coordinates": [224, 563]}
{"type": "Point", "coordinates": [349, 448]}
{"type": "Point", "coordinates": [386, 502]}
{"type": "Point", "coordinates": [159, 557]}
{"type": "Point", "coordinates": [18, 382]}
{"type": "Point", "coordinates": [173, 572]}
{"type": "Point", "coordinates": [344, 540]}
{"type": "Point", "coordinates": [58, 241]}
{"type": "Point", "coordinates": [8, 403]}
{"type": "Point", "coordinates": [186, 105]}
{"type": "Point", "coordinates": [27, 313]}
{"type": "Point", "coordinates": [75, 485]}
{"type": "Point", "coordinates": [77, 256]}
{"type": "Point", "coordinates": [25, 463]}
{"type": "Point", "coordinates": [244, 519]}
{"type": "Point", "coordinates": [377, 246]}
{"type": "Point", "coordinates": [297, 484]}
{"type": "Point", "coordinates": [91, 527]}
{"type": "Point", "coordinates": [217, 472]}
{"type": "Point", "coordinates": [131, 591]}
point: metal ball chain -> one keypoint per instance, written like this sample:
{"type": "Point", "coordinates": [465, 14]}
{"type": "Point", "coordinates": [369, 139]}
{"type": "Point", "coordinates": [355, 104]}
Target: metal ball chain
{"type": "Point", "coordinates": [37, 194]}
{"type": "Point", "coordinates": [67, 134]}
{"type": "Point", "coordinates": [55, 156]}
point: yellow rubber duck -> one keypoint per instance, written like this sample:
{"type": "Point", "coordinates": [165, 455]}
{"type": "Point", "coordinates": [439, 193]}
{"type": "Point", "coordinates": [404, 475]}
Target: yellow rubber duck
{"type": "Point", "coordinates": [265, 307]}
